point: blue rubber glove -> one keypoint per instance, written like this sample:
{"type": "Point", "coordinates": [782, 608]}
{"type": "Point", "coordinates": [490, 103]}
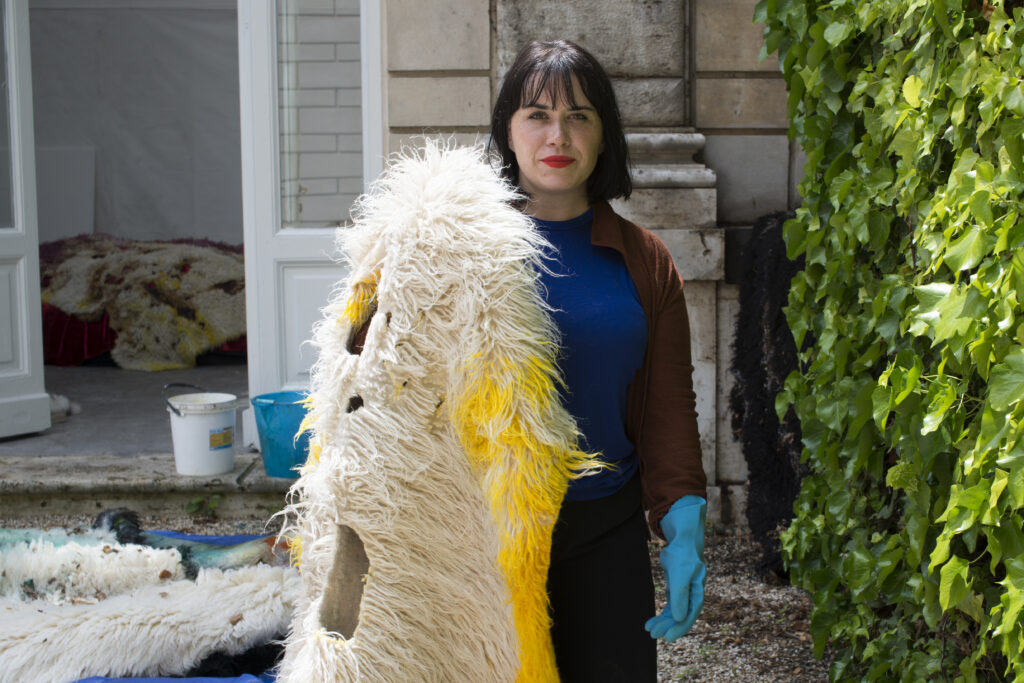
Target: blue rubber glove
{"type": "Point", "coordinates": [683, 562]}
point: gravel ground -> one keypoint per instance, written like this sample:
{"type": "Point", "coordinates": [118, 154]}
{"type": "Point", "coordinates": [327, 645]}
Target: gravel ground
{"type": "Point", "coordinates": [750, 630]}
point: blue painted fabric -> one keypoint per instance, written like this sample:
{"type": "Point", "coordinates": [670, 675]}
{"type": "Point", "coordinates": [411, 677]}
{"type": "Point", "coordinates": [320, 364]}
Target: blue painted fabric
{"type": "Point", "coordinates": [244, 678]}
{"type": "Point", "coordinates": [604, 337]}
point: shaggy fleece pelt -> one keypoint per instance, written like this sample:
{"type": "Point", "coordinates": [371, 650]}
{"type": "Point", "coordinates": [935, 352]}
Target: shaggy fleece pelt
{"type": "Point", "coordinates": [73, 572]}
{"type": "Point", "coordinates": [764, 355]}
{"type": "Point", "coordinates": [73, 611]}
{"type": "Point", "coordinates": [440, 453]}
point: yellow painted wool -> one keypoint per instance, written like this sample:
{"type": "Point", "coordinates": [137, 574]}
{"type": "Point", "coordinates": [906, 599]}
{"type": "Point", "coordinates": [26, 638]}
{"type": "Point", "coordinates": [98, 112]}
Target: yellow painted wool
{"type": "Point", "coordinates": [524, 482]}
{"type": "Point", "coordinates": [360, 303]}
{"type": "Point", "coordinates": [315, 449]}
{"type": "Point", "coordinates": [295, 550]}
{"type": "Point", "coordinates": [308, 420]}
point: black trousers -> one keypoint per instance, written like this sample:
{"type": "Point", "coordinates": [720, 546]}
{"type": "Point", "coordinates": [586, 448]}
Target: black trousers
{"type": "Point", "coordinates": [602, 592]}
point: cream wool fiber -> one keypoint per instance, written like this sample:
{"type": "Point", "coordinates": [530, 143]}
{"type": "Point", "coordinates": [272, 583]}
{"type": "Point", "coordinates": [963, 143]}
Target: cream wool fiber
{"type": "Point", "coordinates": [442, 448]}
{"type": "Point", "coordinates": [66, 572]}
{"type": "Point", "coordinates": [164, 627]}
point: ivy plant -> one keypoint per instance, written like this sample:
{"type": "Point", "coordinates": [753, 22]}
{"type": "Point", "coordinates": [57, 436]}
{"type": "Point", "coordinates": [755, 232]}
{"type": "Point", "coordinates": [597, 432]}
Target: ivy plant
{"type": "Point", "coordinates": [910, 319]}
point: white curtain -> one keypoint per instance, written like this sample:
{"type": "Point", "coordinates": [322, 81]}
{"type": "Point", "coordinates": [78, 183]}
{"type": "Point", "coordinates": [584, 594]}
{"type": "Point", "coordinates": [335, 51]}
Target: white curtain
{"type": "Point", "coordinates": [155, 92]}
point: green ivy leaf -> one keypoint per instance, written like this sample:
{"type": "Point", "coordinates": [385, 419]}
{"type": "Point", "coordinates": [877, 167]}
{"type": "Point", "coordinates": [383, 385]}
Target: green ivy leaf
{"type": "Point", "coordinates": [981, 207]}
{"type": "Point", "coordinates": [1011, 601]}
{"type": "Point", "coordinates": [967, 251]}
{"type": "Point", "coordinates": [912, 90]}
{"type": "Point", "coordinates": [953, 583]}
{"type": "Point", "coordinates": [1000, 480]}
{"type": "Point", "coordinates": [938, 409]}
{"type": "Point", "coordinates": [916, 533]}
{"type": "Point", "coordinates": [902, 475]}
{"type": "Point", "coordinates": [1013, 99]}
{"type": "Point", "coordinates": [941, 551]}
{"type": "Point", "coordinates": [837, 32]}
{"type": "Point", "coordinates": [862, 566]}
{"type": "Point", "coordinates": [881, 405]}
{"type": "Point", "coordinates": [1006, 381]}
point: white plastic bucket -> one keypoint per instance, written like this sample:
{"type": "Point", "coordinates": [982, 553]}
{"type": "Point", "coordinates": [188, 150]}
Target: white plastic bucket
{"type": "Point", "coordinates": [203, 431]}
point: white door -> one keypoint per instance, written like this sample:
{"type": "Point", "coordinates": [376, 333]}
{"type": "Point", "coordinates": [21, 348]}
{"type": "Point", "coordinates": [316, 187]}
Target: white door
{"type": "Point", "coordinates": [24, 404]}
{"type": "Point", "coordinates": [312, 137]}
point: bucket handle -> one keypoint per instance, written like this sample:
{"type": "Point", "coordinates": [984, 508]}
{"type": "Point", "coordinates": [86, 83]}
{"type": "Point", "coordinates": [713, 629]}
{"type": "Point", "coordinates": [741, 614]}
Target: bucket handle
{"type": "Point", "coordinates": [177, 384]}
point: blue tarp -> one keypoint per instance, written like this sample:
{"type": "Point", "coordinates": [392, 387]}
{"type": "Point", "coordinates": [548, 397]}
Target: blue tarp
{"type": "Point", "coordinates": [245, 678]}
{"type": "Point", "coordinates": [212, 540]}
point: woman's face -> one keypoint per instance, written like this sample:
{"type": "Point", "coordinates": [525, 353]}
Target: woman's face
{"type": "Point", "coordinates": [556, 147]}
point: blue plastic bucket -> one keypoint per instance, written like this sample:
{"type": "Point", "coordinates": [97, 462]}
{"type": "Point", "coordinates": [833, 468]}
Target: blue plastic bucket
{"type": "Point", "coordinates": [278, 416]}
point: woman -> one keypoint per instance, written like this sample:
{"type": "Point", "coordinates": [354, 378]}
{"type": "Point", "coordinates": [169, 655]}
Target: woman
{"type": "Point", "coordinates": [618, 302]}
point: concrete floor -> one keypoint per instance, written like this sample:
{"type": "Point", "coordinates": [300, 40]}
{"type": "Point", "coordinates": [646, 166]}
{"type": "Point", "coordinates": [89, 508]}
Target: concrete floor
{"type": "Point", "coordinates": [122, 411]}
{"type": "Point", "coordinates": [118, 451]}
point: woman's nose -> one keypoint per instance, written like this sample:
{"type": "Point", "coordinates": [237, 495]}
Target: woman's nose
{"type": "Point", "coordinates": [558, 133]}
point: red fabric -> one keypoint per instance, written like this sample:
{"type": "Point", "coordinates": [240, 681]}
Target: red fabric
{"type": "Point", "coordinates": [234, 345]}
{"type": "Point", "coordinates": [70, 341]}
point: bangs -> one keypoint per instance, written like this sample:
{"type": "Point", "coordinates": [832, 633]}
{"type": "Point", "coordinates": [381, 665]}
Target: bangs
{"type": "Point", "coordinates": [554, 79]}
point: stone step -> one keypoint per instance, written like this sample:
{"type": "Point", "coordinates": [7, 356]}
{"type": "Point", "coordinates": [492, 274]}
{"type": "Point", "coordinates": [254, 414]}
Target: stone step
{"type": "Point", "coordinates": [31, 486]}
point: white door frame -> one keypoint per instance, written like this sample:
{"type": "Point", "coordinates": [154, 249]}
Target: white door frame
{"type": "Point", "coordinates": [24, 403]}
{"type": "Point", "coordinates": [288, 271]}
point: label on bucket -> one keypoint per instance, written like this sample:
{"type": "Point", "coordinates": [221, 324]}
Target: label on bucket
{"type": "Point", "coordinates": [222, 438]}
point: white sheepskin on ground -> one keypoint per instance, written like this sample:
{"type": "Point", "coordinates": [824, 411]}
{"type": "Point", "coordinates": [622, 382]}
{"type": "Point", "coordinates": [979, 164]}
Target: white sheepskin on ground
{"type": "Point", "coordinates": [154, 630]}
{"type": "Point", "coordinates": [449, 267]}
{"type": "Point", "coordinates": [57, 536]}
{"type": "Point", "coordinates": [72, 571]}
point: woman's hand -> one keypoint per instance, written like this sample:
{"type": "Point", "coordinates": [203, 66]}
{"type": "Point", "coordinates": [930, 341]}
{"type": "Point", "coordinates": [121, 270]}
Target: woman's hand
{"type": "Point", "coordinates": [683, 562]}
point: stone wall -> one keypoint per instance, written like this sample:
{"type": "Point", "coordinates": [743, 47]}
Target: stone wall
{"type": "Point", "coordinates": [439, 66]}
{"type": "Point", "coordinates": [705, 122]}
{"type": "Point", "coordinates": [741, 110]}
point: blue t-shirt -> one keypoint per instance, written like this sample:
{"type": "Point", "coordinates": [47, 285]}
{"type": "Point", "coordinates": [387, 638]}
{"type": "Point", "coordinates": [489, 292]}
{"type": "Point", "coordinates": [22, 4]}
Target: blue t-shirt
{"type": "Point", "coordinates": [604, 337]}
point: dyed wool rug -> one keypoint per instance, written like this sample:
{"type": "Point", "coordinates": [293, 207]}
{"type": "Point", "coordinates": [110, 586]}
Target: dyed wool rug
{"type": "Point", "coordinates": [167, 302]}
{"type": "Point", "coordinates": [440, 451]}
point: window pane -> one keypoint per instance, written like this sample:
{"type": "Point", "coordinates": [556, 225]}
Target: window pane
{"type": "Point", "coordinates": [320, 117]}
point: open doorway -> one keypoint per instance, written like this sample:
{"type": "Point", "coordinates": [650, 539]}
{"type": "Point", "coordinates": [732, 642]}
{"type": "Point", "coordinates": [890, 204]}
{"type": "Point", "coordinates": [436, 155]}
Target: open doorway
{"type": "Point", "coordinates": [136, 112]}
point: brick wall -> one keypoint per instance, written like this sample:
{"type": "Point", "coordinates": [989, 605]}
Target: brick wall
{"type": "Point", "coordinates": [320, 110]}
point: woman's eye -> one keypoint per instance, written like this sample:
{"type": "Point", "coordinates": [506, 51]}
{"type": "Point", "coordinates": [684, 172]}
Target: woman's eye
{"type": "Point", "coordinates": [537, 115]}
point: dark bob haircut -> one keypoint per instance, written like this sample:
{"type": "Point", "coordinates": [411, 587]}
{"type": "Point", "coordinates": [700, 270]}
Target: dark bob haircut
{"type": "Point", "coordinates": [549, 67]}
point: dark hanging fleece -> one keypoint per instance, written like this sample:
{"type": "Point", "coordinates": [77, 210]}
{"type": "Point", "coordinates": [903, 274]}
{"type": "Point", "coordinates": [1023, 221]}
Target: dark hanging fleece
{"type": "Point", "coordinates": [764, 354]}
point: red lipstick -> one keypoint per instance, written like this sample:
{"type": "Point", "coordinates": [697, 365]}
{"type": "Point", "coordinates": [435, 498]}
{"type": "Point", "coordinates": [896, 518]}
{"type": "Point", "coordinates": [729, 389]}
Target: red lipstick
{"type": "Point", "coordinates": [558, 161]}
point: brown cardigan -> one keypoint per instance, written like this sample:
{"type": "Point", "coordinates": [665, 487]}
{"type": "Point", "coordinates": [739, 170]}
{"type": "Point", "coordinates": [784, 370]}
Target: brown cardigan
{"type": "Point", "coordinates": [662, 417]}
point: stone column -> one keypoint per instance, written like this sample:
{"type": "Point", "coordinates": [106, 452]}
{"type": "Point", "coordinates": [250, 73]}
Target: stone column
{"type": "Point", "coordinates": [674, 196]}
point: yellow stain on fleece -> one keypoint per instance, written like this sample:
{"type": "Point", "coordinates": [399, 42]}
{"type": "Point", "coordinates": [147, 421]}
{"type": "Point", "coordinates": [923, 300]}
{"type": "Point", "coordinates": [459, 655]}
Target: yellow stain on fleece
{"type": "Point", "coordinates": [362, 299]}
{"type": "Point", "coordinates": [308, 422]}
{"type": "Point", "coordinates": [295, 551]}
{"type": "Point", "coordinates": [524, 479]}
{"type": "Point", "coordinates": [313, 458]}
